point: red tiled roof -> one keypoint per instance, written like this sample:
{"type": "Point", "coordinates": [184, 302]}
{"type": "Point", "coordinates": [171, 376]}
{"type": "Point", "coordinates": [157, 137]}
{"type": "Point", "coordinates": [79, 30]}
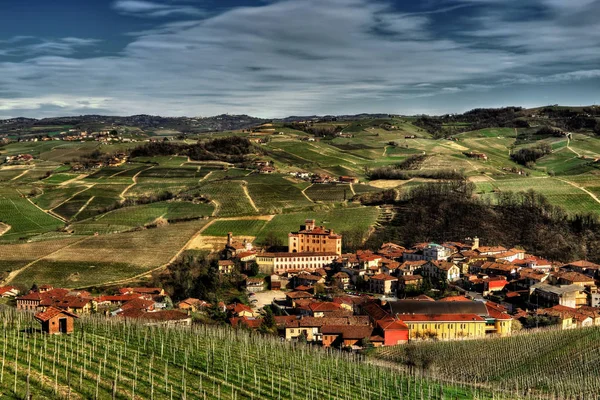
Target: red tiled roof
{"type": "Point", "coordinates": [384, 277]}
{"type": "Point", "coordinates": [298, 295]}
{"type": "Point", "coordinates": [389, 324]}
{"type": "Point", "coordinates": [348, 331]}
{"type": "Point", "coordinates": [455, 298]}
{"type": "Point", "coordinates": [249, 322]}
{"type": "Point", "coordinates": [52, 312]}
{"type": "Point", "coordinates": [584, 264]}
{"type": "Point", "coordinates": [324, 307]}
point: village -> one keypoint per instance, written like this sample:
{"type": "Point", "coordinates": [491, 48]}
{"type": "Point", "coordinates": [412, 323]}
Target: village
{"type": "Point", "coordinates": [316, 293]}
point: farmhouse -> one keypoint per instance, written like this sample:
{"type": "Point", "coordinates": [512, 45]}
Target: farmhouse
{"type": "Point", "coordinates": [383, 284]}
{"type": "Point", "coordinates": [55, 320]}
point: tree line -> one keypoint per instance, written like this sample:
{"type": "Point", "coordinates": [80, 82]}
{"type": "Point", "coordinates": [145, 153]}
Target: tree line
{"type": "Point", "coordinates": [450, 211]}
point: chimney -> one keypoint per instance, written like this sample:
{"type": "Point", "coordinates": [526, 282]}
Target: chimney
{"type": "Point", "coordinates": [229, 238]}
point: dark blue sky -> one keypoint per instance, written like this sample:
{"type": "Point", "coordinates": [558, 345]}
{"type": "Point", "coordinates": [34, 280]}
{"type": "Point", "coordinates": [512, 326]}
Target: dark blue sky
{"type": "Point", "coordinates": [275, 58]}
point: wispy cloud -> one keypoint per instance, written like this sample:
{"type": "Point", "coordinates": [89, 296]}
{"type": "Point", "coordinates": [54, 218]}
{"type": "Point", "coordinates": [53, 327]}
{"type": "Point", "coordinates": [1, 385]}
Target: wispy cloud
{"type": "Point", "coordinates": [144, 8]}
{"type": "Point", "coordinates": [28, 46]}
{"type": "Point", "coordinates": [312, 56]}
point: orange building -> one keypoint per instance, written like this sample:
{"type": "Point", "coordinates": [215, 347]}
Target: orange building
{"type": "Point", "coordinates": [311, 238]}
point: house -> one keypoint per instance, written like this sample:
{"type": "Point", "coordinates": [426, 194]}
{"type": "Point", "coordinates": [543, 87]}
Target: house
{"type": "Point", "coordinates": [563, 277]}
{"type": "Point", "coordinates": [392, 330]}
{"type": "Point", "coordinates": [225, 266]}
{"type": "Point", "coordinates": [407, 281]}
{"type": "Point", "coordinates": [307, 279]}
{"type": "Point", "coordinates": [411, 267]}
{"type": "Point", "coordinates": [248, 322]}
{"type": "Point", "coordinates": [192, 304]}
{"type": "Point", "coordinates": [240, 310]}
{"type": "Point", "coordinates": [383, 284]}
{"type": "Point", "coordinates": [428, 252]}
{"type": "Point", "coordinates": [341, 280]}
{"type": "Point", "coordinates": [9, 291]}
{"type": "Point", "coordinates": [266, 170]}
{"type": "Point", "coordinates": [292, 297]}
{"type": "Point", "coordinates": [345, 335]}
{"type": "Point", "coordinates": [56, 321]}
{"type": "Point", "coordinates": [312, 238]}
{"type": "Point", "coordinates": [584, 267]}
{"type": "Point", "coordinates": [569, 295]}
{"type": "Point", "coordinates": [326, 308]}
{"type": "Point", "coordinates": [569, 317]}
{"type": "Point", "coordinates": [255, 285]}
{"type": "Point", "coordinates": [441, 270]}
{"type": "Point", "coordinates": [310, 327]}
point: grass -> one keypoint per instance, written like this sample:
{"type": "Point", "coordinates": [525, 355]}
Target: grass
{"type": "Point", "coordinates": [558, 192]}
{"type": "Point", "coordinates": [114, 359]}
{"type": "Point", "coordinates": [128, 253]}
{"type": "Point", "coordinates": [124, 219]}
{"type": "Point", "coordinates": [329, 192]}
{"type": "Point", "coordinates": [239, 227]}
{"type": "Point", "coordinates": [339, 219]}
{"type": "Point", "coordinates": [274, 194]}
{"type": "Point", "coordinates": [564, 363]}
{"type": "Point", "coordinates": [24, 218]}
{"type": "Point", "coordinates": [229, 196]}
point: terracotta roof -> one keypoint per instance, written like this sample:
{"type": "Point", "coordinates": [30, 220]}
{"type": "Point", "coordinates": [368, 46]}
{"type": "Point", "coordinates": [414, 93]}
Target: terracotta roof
{"type": "Point", "coordinates": [324, 307]}
{"type": "Point", "coordinates": [348, 331]}
{"type": "Point", "coordinates": [408, 278]}
{"type": "Point", "coordinates": [249, 322]}
{"type": "Point", "coordinates": [584, 264]}
{"type": "Point", "coordinates": [139, 304]}
{"type": "Point", "coordinates": [444, 265]}
{"type": "Point", "coordinates": [384, 277]}
{"type": "Point", "coordinates": [420, 297]}
{"type": "Point", "coordinates": [389, 324]}
{"type": "Point", "coordinates": [454, 298]}
{"type": "Point", "coordinates": [322, 321]}
{"type": "Point", "coordinates": [225, 263]}
{"type": "Point", "coordinates": [52, 312]}
{"type": "Point", "coordinates": [497, 311]}
{"type": "Point", "coordinates": [298, 295]}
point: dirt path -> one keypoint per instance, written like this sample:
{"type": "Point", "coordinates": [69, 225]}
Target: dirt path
{"type": "Point", "coordinates": [14, 273]}
{"type": "Point", "coordinates": [384, 151]}
{"type": "Point", "coordinates": [305, 195]}
{"type": "Point", "coordinates": [205, 177]}
{"type": "Point", "coordinates": [83, 207]}
{"type": "Point", "coordinates": [78, 177]}
{"type": "Point", "coordinates": [247, 218]}
{"type": "Point", "coordinates": [572, 150]}
{"type": "Point", "coordinates": [20, 175]}
{"type": "Point", "coordinates": [592, 195]}
{"type": "Point", "coordinates": [352, 189]}
{"type": "Point", "coordinates": [4, 228]}
{"type": "Point", "coordinates": [217, 208]}
{"type": "Point", "coordinates": [70, 198]}
{"type": "Point", "coordinates": [134, 179]}
{"type": "Point", "coordinates": [52, 214]}
{"type": "Point", "coordinates": [247, 193]}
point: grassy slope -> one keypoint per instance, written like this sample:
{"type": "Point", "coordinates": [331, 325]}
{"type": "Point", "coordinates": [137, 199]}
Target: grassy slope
{"type": "Point", "coordinates": [105, 359]}
{"type": "Point", "coordinates": [561, 362]}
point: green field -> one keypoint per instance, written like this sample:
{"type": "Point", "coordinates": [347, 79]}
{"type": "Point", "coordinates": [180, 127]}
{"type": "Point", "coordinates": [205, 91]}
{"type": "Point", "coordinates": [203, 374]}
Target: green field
{"type": "Point", "coordinates": [339, 219]}
{"type": "Point", "coordinates": [239, 227]}
{"type": "Point", "coordinates": [24, 218]}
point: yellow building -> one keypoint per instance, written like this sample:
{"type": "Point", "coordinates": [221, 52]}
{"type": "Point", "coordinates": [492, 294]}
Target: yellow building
{"type": "Point", "coordinates": [444, 326]}
{"type": "Point", "coordinates": [448, 320]}
{"type": "Point", "coordinates": [311, 238]}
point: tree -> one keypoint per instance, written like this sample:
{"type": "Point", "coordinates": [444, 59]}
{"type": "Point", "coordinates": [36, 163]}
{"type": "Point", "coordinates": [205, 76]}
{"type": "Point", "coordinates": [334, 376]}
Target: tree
{"type": "Point", "coordinates": [253, 268]}
{"type": "Point", "coordinates": [168, 303]}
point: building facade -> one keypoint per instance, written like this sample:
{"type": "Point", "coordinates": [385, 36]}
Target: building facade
{"type": "Point", "coordinates": [311, 238]}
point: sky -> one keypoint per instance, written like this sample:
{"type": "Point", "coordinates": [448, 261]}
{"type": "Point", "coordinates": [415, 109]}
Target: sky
{"type": "Point", "coordinates": [275, 58]}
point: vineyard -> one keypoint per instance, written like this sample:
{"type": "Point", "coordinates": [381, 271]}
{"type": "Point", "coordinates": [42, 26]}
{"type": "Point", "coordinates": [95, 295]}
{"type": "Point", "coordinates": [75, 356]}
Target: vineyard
{"type": "Point", "coordinates": [564, 364]}
{"type": "Point", "coordinates": [106, 359]}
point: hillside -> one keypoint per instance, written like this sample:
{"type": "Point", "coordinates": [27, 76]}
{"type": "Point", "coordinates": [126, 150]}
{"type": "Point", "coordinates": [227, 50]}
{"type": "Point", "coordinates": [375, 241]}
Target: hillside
{"type": "Point", "coordinates": [565, 364]}
{"type": "Point", "coordinates": [110, 359]}
{"type": "Point", "coordinates": [134, 194]}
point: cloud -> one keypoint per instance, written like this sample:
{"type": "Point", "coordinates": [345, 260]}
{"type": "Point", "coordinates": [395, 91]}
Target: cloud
{"type": "Point", "coordinates": [144, 8]}
{"type": "Point", "coordinates": [309, 56]}
{"type": "Point", "coordinates": [27, 46]}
